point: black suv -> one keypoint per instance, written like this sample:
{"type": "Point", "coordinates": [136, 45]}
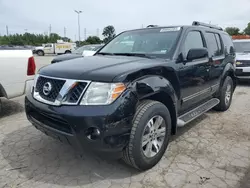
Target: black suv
{"type": "Point", "coordinates": [130, 97]}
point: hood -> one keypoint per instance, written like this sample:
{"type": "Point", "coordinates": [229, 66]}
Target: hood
{"type": "Point", "coordinates": [39, 48]}
{"type": "Point", "coordinates": [65, 57]}
{"type": "Point", "coordinates": [243, 56]}
{"type": "Point", "coordinates": [98, 68]}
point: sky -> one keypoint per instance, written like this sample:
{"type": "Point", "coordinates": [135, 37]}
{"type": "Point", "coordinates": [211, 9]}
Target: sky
{"type": "Point", "coordinates": [36, 16]}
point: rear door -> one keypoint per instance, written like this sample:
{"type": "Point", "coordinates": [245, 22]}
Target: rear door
{"type": "Point", "coordinates": [216, 58]}
{"type": "Point", "coordinates": [193, 76]}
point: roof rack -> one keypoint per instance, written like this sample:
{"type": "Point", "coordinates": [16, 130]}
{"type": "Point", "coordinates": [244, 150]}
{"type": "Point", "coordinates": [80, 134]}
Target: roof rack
{"type": "Point", "coordinates": [152, 26]}
{"type": "Point", "coordinates": [196, 23]}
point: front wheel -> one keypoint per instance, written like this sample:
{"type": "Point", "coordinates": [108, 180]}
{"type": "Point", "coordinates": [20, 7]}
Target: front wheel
{"type": "Point", "coordinates": [149, 136]}
{"type": "Point", "coordinates": [40, 53]}
{"type": "Point", "coordinates": [225, 95]}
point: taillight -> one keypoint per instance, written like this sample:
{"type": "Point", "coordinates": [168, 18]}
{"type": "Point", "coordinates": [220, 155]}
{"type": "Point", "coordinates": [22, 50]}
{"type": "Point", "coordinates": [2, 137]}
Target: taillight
{"type": "Point", "coordinates": [31, 66]}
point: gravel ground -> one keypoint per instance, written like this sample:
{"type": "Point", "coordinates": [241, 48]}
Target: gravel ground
{"type": "Point", "coordinates": [212, 151]}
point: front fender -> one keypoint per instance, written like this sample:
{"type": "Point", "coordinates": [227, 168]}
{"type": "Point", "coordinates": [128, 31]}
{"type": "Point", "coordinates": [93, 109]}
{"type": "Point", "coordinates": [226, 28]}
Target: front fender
{"type": "Point", "coordinates": [150, 85]}
{"type": "Point", "coordinates": [160, 89]}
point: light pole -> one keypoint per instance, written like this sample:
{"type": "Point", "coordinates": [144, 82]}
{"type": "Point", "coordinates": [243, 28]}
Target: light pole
{"type": "Point", "coordinates": [78, 13]}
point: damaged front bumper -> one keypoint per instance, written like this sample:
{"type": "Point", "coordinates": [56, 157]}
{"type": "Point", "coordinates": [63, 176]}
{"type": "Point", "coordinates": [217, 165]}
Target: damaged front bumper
{"type": "Point", "coordinates": [102, 129]}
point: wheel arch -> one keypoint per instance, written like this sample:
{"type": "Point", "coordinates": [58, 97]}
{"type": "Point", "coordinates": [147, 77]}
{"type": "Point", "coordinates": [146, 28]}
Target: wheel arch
{"type": "Point", "coordinates": [229, 70]}
{"type": "Point", "coordinates": [68, 51]}
{"type": "Point", "coordinates": [159, 89]}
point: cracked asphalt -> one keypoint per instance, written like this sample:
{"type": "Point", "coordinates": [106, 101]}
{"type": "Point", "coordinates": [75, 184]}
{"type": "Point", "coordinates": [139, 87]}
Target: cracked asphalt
{"type": "Point", "coordinates": [211, 152]}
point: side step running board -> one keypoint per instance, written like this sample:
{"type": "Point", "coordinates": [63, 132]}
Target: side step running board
{"type": "Point", "coordinates": [196, 112]}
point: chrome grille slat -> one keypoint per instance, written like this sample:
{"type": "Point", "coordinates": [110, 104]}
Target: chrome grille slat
{"type": "Point", "coordinates": [57, 85]}
{"type": "Point", "coordinates": [66, 91]}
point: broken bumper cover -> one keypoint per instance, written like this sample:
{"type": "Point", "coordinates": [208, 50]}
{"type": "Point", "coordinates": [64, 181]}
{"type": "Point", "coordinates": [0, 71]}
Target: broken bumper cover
{"type": "Point", "coordinates": [74, 124]}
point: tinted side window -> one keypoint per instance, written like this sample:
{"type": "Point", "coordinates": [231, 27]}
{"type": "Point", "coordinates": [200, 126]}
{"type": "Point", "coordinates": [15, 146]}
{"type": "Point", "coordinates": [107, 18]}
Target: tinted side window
{"type": "Point", "coordinates": [193, 40]}
{"type": "Point", "coordinates": [212, 44]}
{"type": "Point", "coordinates": [220, 48]}
{"type": "Point", "coordinates": [228, 44]}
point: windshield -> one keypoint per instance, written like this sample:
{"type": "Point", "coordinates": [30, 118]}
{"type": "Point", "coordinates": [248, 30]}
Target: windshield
{"type": "Point", "coordinates": [155, 42]}
{"type": "Point", "coordinates": [242, 46]}
{"type": "Point", "coordinates": [87, 47]}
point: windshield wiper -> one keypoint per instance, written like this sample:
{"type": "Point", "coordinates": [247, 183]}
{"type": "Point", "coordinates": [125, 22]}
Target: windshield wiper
{"type": "Point", "coordinates": [105, 53]}
{"type": "Point", "coordinates": [134, 54]}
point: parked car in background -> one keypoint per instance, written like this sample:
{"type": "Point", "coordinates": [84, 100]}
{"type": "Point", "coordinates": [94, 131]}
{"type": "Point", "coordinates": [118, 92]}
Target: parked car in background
{"type": "Point", "coordinates": [86, 50]}
{"type": "Point", "coordinates": [55, 48]}
{"type": "Point", "coordinates": [129, 98]}
{"type": "Point", "coordinates": [17, 67]}
{"type": "Point", "coordinates": [242, 48]}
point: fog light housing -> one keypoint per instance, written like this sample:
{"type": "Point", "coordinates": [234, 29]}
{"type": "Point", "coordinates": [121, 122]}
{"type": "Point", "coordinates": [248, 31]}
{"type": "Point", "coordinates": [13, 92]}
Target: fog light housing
{"type": "Point", "coordinates": [92, 133]}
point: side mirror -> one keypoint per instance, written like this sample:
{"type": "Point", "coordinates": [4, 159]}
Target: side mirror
{"type": "Point", "coordinates": [197, 53]}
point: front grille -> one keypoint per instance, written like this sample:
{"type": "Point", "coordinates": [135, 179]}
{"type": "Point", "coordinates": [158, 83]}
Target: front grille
{"type": "Point", "coordinates": [239, 72]}
{"type": "Point", "coordinates": [244, 63]}
{"type": "Point", "coordinates": [56, 87]}
{"type": "Point", "coordinates": [51, 121]}
{"type": "Point", "coordinates": [75, 93]}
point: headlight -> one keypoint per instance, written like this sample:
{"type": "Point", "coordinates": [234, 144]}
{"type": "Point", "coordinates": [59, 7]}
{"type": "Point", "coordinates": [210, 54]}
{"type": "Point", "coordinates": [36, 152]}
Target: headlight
{"type": "Point", "coordinates": [102, 93]}
{"type": "Point", "coordinates": [33, 85]}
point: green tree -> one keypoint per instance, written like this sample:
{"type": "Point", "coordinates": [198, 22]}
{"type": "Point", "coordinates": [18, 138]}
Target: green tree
{"type": "Point", "coordinates": [232, 30]}
{"type": "Point", "coordinates": [28, 39]}
{"type": "Point", "coordinates": [247, 29]}
{"type": "Point", "coordinates": [93, 40]}
{"type": "Point", "coordinates": [108, 33]}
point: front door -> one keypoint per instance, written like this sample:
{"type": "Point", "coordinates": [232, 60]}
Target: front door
{"type": "Point", "coordinates": [48, 49]}
{"type": "Point", "coordinates": [194, 75]}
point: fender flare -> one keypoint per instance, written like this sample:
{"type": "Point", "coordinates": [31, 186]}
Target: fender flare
{"type": "Point", "coordinates": [149, 87]}
{"type": "Point", "coordinates": [229, 70]}
{"type": "Point", "coordinates": [3, 92]}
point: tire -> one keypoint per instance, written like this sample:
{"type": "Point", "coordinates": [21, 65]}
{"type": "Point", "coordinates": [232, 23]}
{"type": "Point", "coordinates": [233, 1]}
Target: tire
{"type": "Point", "coordinates": [134, 153]}
{"type": "Point", "coordinates": [225, 99]}
{"type": "Point", "coordinates": [40, 53]}
{"type": "Point", "coordinates": [68, 52]}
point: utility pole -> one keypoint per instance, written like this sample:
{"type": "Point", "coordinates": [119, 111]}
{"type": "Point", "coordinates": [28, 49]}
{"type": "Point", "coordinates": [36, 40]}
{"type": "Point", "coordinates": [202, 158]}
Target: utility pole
{"type": "Point", "coordinates": [85, 33]}
{"type": "Point", "coordinates": [7, 30]}
{"type": "Point", "coordinates": [64, 31]}
{"type": "Point", "coordinates": [49, 29]}
{"type": "Point", "coordinates": [78, 17]}
{"type": "Point", "coordinates": [97, 32]}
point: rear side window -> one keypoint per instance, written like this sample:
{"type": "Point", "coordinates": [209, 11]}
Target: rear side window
{"type": "Point", "coordinates": [218, 40]}
{"type": "Point", "coordinates": [193, 40]}
{"type": "Point", "coordinates": [214, 44]}
{"type": "Point", "coordinates": [228, 44]}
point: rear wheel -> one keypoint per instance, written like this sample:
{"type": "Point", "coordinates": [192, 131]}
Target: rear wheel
{"type": "Point", "coordinates": [68, 52]}
{"type": "Point", "coordinates": [225, 95]}
{"type": "Point", "coordinates": [149, 136]}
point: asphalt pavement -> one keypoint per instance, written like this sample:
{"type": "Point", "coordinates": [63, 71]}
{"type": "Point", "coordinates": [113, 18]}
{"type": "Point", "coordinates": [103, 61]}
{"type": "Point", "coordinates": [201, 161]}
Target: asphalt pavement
{"type": "Point", "coordinates": [211, 152]}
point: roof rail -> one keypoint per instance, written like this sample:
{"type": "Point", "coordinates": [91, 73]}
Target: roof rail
{"type": "Point", "coordinates": [152, 26]}
{"type": "Point", "coordinates": [196, 23]}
